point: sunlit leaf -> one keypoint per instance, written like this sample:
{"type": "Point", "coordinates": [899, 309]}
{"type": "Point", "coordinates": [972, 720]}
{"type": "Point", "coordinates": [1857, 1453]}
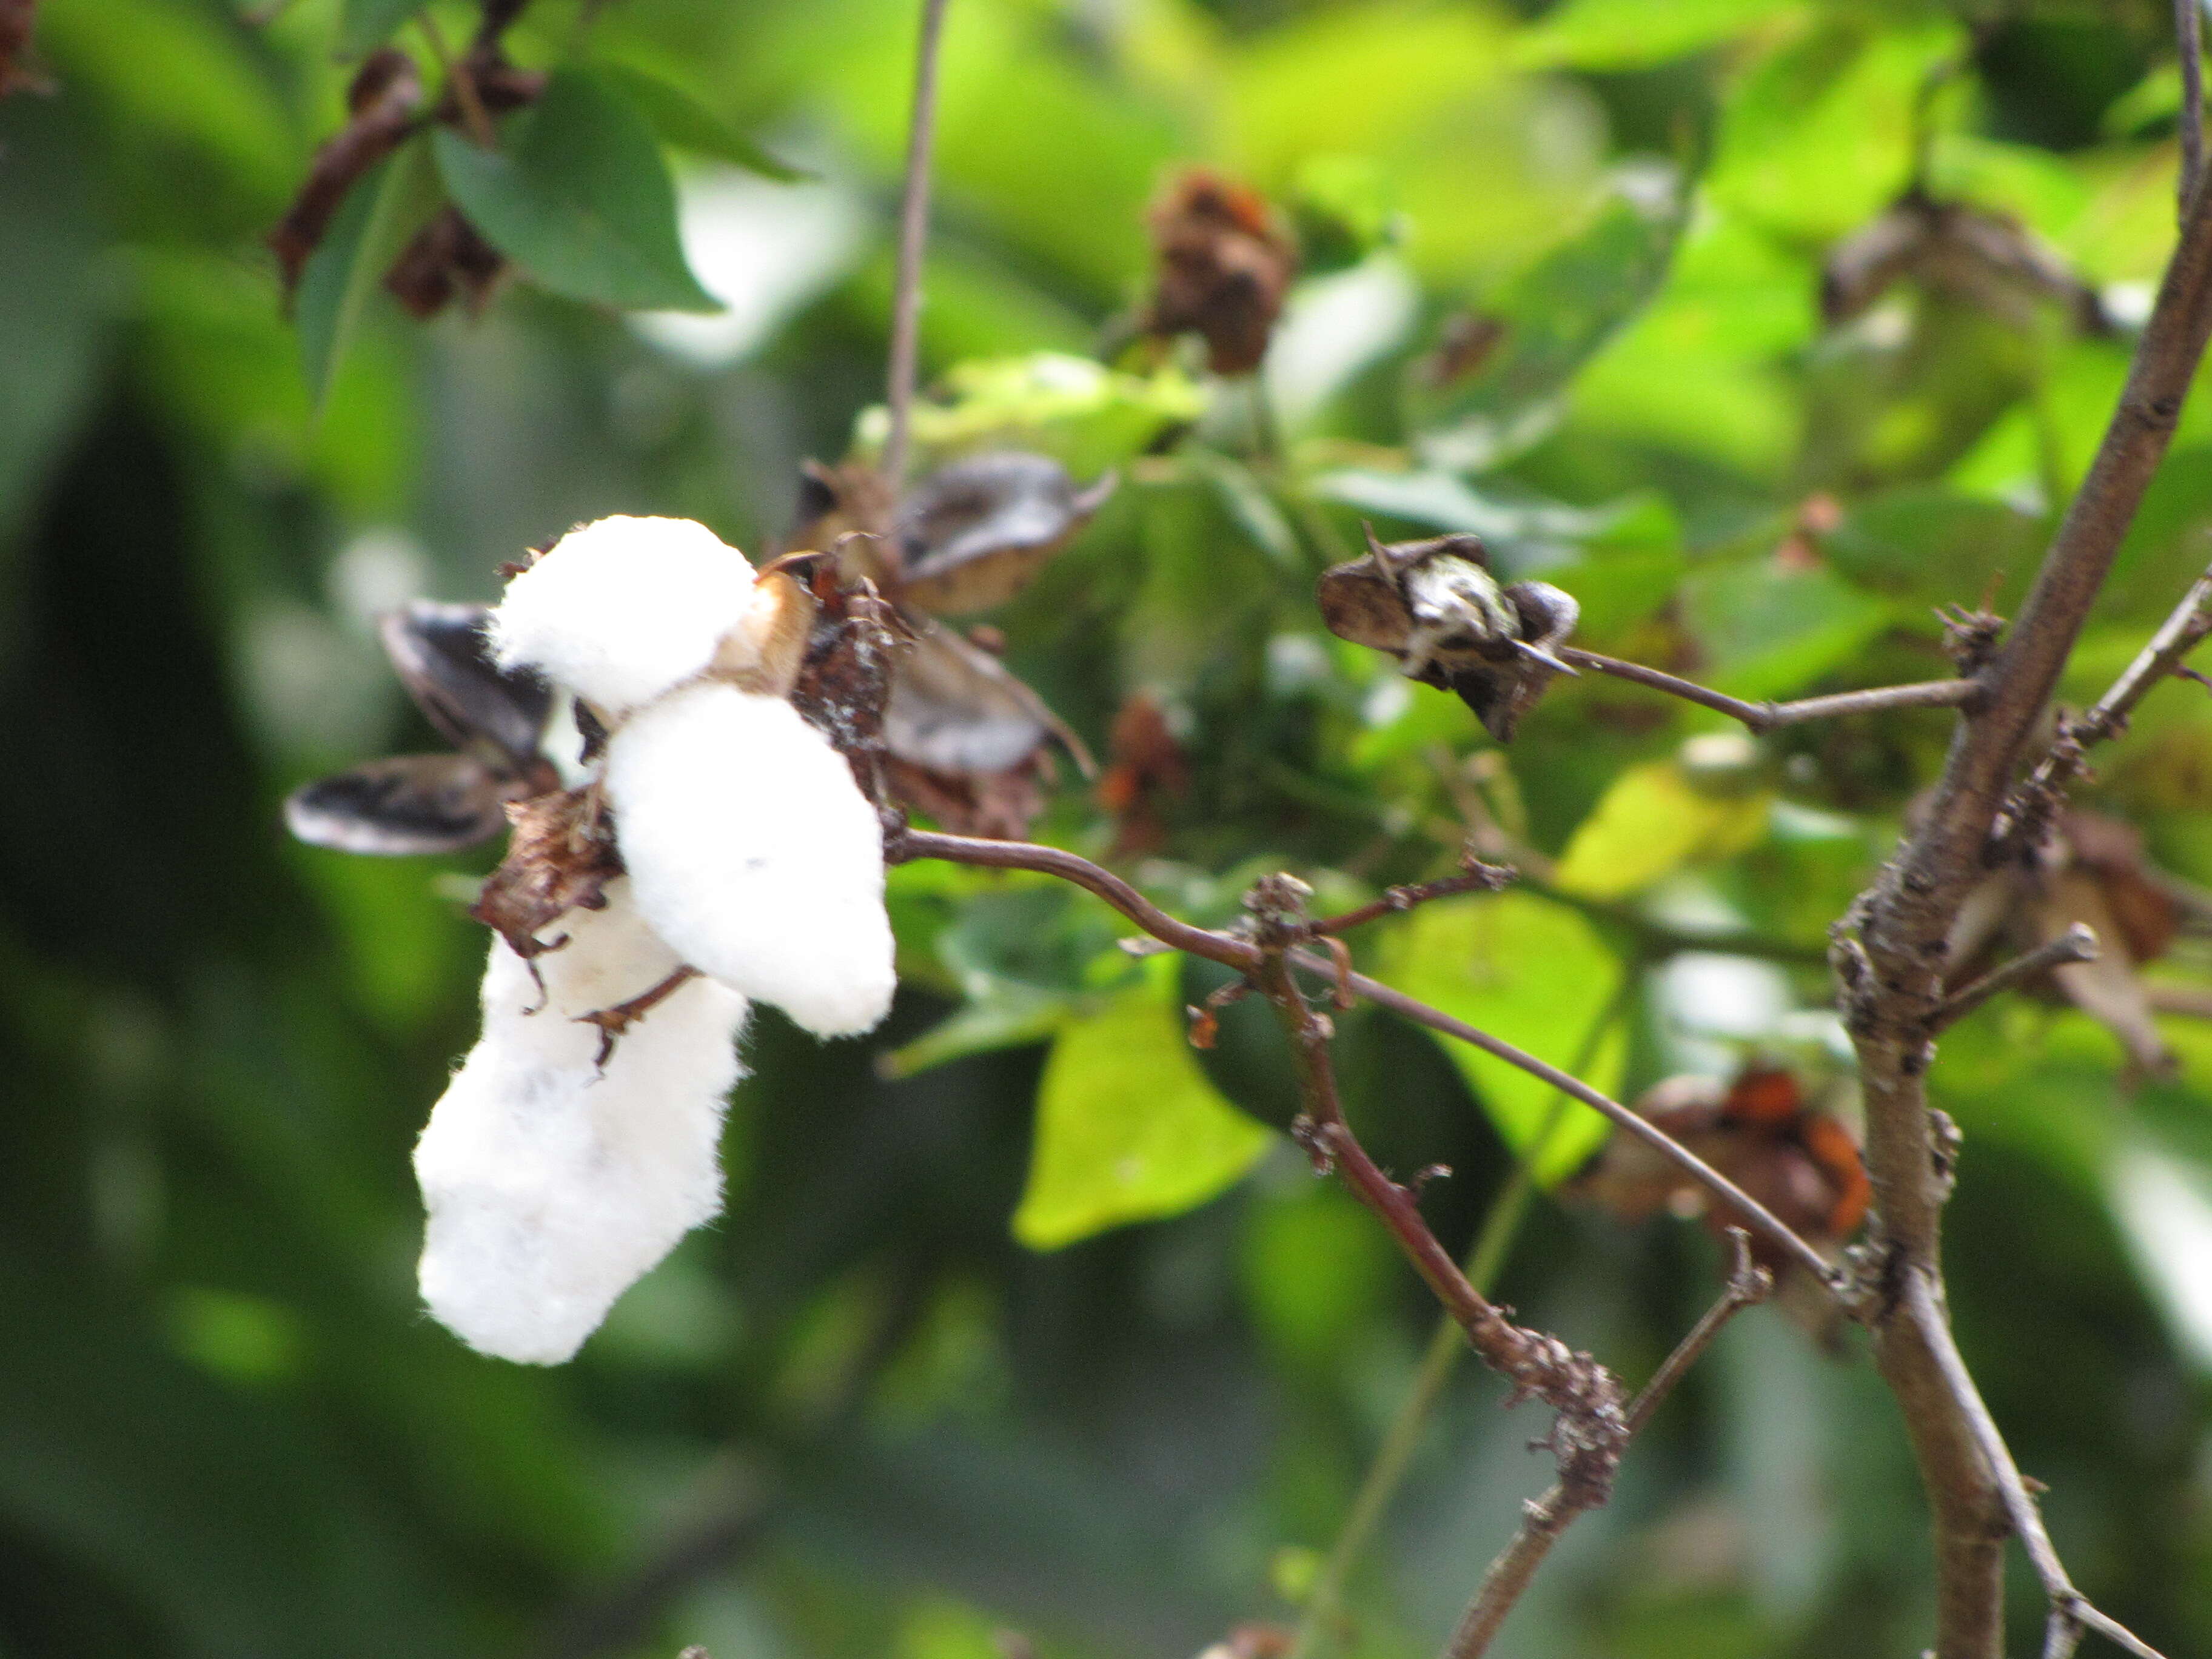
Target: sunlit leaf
{"type": "Point", "coordinates": [1532, 971]}
{"type": "Point", "coordinates": [1127, 1127]}
{"type": "Point", "coordinates": [578, 197]}
{"type": "Point", "coordinates": [1652, 821]}
{"type": "Point", "coordinates": [1086, 417]}
{"type": "Point", "coordinates": [1617, 34]}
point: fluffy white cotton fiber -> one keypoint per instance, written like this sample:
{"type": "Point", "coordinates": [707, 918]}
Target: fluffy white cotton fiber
{"type": "Point", "coordinates": [753, 853]}
{"type": "Point", "coordinates": [551, 1184]}
{"type": "Point", "coordinates": [623, 609]}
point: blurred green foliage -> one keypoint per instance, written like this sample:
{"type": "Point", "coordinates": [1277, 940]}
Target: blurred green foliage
{"type": "Point", "coordinates": [859, 1416]}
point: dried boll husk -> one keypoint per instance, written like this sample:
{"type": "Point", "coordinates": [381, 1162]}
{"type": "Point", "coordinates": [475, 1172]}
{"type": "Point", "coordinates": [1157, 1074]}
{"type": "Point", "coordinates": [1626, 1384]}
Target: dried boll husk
{"type": "Point", "coordinates": [1435, 607]}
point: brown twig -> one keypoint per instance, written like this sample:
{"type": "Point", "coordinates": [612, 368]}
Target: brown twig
{"type": "Point", "coordinates": [1892, 971]}
{"type": "Point", "coordinates": [2077, 944]}
{"type": "Point", "coordinates": [914, 235]}
{"type": "Point", "coordinates": [1587, 1435]}
{"type": "Point", "coordinates": [1545, 1519]}
{"type": "Point", "coordinates": [2188, 30]}
{"type": "Point", "coordinates": [1476, 877]}
{"type": "Point", "coordinates": [1762, 717]}
{"type": "Point", "coordinates": [1245, 957]}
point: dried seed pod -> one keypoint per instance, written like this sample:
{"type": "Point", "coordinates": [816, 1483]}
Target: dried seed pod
{"type": "Point", "coordinates": [381, 104]}
{"type": "Point", "coordinates": [1223, 270]}
{"type": "Point", "coordinates": [974, 533]}
{"type": "Point", "coordinates": [1987, 259]}
{"type": "Point", "coordinates": [1436, 607]}
{"type": "Point", "coordinates": [416, 803]}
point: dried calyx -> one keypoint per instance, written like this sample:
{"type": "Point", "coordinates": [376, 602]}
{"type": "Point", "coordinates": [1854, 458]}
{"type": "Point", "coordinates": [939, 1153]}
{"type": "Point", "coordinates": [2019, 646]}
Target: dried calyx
{"type": "Point", "coordinates": [1225, 270]}
{"type": "Point", "coordinates": [1435, 607]}
{"type": "Point", "coordinates": [963, 739]}
{"type": "Point", "coordinates": [1988, 260]}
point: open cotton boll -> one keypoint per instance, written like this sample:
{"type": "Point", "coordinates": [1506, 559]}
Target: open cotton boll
{"type": "Point", "coordinates": [552, 1185]}
{"type": "Point", "coordinates": [623, 609]}
{"type": "Point", "coordinates": [752, 851]}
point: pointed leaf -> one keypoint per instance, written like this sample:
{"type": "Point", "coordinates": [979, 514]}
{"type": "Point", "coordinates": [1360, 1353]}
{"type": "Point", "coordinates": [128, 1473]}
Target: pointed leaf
{"type": "Point", "coordinates": [682, 121]}
{"type": "Point", "coordinates": [379, 216]}
{"type": "Point", "coordinates": [579, 198]}
{"type": "Point", "coordinates": [1128, 1129]}
{"type": "Point", "coordinates": [1536, 973]}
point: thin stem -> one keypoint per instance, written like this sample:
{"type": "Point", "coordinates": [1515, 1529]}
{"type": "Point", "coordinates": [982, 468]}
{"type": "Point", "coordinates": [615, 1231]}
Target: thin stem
{"type": "Point", "coordinates": [1478, 877]}
{"type": "Point", "coordinates": [2067, 1603]}
{"type": "Point", "coordinates": [460, 79]}
{"type": "Point", "coordinates": [914, 236]}
{"type": "Point", "coordinates": [1544, 1520]}
{"type": "Point", "coordinates": [2188, 30]}
{"type": "Point", "coordinates": [1486, 1260]}
{"type": "Point", "coordinates": [1761, 717]}
{"type": "Point", "coordinates": [2077, 944]}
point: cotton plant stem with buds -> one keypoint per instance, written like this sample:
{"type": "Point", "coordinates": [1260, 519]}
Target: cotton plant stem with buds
{"type": "Point", "coordinates": [1545, 1519]}
{"type": "Point", "coordinates": [1486, 1260]}
{"type": "Point", "coordinates": [1892, 967]}
{"type": "Point", "coordinates": [1233, 952]}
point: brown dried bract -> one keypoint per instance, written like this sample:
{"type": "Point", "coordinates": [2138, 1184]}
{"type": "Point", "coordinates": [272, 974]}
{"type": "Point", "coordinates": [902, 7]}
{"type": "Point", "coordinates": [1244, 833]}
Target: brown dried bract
{"type": "Point", "coordinates": [2091, 869]}
{"type": "Point", "coordinates": [17, 19]}
{"type": "Point", "coordinates": [1436, 607]}
{"type": "Point", "coordinates": [380, 106]}
{"type": "Point", "coordinates": [1760, 1132]}
{"type": "Point", "coordinates": [844, 679]}
{"type": "Point", "coordinates": [447, 258]}
{"type": "Point", "coordinates": [1987, 259]}
{"type": "Point", "coordinates": [973, 534]}
{"type": "Point", "coordinates": [995, 805]}
{"type": "Point", "coordinates": [1223, 270]}
{"type": "Point", "coordinates": [1144, 769]}
{"type": "Point", "coordinates": [562, 855]}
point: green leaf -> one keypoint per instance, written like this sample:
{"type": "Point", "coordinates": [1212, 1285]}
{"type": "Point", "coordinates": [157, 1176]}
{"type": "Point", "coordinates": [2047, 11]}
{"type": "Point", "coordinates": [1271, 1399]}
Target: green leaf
{"type": "Point", "coordinates": [1082, 414]}
{"type": "Point", "coordinates": [579, 198]}
{"type": "Point", "coordinates": [379, 216]}
{"type": "Point", "coordinates": [365, 24]}
{"type": "Point", "coordinates": [1250, 507]}
{"type": "Point", "coordinates": [1935, 547]}
{"type": "Point", "coordinates": [682, 121]}
{"type": "Point", "coordinates": [1527, 534]}
{"type": "Point", "coordinates": [1768, 630]}
{"type": "Point", "coordinates": [1127, 1127]}
{"type": "Point", "coordinates": [1536, 973]}
{"type": "Point", "coordinates": [1008, 1016]}
{"type": "Point", "coordinates": [1618, 34]}
{"type": "Point", "coordinates": [1651, 823]}
{"type": "Point", "coordinates": [1555, 316]}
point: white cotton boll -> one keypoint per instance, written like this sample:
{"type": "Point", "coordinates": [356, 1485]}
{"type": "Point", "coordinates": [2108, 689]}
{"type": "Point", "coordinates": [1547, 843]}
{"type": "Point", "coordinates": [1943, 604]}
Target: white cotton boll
{"type": "Point", "coordinates": [754, 853]}
{"type": "Point", "coordinates": [551, 1185]}
{"type": "Point", "coordinates": [623, 609]}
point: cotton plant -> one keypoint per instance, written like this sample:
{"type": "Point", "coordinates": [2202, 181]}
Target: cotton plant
{"type": "Point", "coordinates": [718, 852]}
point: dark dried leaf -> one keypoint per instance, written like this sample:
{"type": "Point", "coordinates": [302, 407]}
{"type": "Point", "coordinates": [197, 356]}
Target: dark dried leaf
{"type": "Point", "coordinates": [1436, 607]}
{"type": "Point", "coordinates": [1223, 270]}
{"type": "Point", "coordinates": [17, 19]}
{"type": "Point", "coordinates": [845, 678]}
{"type": "Point", "coordinates": [956, 709]}
{"type": "Point", "coordinates": [401, 805]}
{"type": "Point", "coordinates": [1144, 769]}
{"type": "Point", "coordinates": [997, 806]}
{"type": "Point", "coordinates": [1465, 344]}
{"type": "Point", "coordinates": [972, 534]}
{"type": "Point", "coordinates": [562, 855]}
{"type": "Point", "coordinates": [1800, 1161]}
{"type": "Point", "coordinates": [847, 510]}
{"type": "Point", "coordinates": [447, 258]}
{"type": "Point", "coordinates": [443, 660]}
{"type": "Point", "coordinates": [1990, 259]}
{"type": "Point", "coordinates": [380, 106]}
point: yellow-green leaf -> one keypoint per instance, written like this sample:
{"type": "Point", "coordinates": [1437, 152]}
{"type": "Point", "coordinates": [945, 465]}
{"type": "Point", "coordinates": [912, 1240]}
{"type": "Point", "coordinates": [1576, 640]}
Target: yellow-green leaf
{"type": "Point", "coordinates": [1534, 973]}
{"type": "Point", "coordinates": [1651, 823]}
{"type": "Point", "coordinates": [1128, 1129]}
